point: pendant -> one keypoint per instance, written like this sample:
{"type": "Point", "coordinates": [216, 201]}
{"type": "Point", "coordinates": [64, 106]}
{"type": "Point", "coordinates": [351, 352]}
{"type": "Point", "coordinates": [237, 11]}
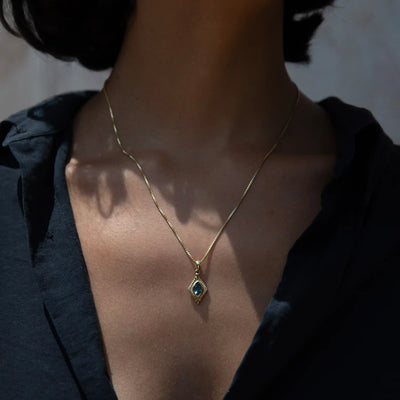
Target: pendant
{"type": "Point", "coordinates": [197, 289]}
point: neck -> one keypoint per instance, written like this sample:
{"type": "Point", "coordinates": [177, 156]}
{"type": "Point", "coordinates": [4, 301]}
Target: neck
{"type": "Point", "coordinates": [201, 75]}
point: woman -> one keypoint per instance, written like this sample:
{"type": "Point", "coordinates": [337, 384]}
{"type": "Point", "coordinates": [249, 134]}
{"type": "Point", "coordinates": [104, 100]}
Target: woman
{"type": "Point", "coordinates": [199, 229]}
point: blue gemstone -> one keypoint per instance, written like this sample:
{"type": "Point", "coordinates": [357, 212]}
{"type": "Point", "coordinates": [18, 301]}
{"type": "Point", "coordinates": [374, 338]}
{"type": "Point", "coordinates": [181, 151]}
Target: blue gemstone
{"type": "Point", "coordinates": [197, 289]}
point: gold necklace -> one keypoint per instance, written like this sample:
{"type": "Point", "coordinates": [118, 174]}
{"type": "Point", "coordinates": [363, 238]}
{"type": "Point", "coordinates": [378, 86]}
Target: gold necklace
{"type": "Point", "coordinates": [197, 287]}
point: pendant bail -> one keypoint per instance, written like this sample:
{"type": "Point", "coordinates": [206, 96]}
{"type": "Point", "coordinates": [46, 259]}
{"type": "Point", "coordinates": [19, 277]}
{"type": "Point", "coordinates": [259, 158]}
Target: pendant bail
{"type": "Point", "coordinates": [197, 269]}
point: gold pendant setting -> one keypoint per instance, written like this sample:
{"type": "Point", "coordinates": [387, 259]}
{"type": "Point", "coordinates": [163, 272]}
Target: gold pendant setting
{"type": "Point", "coordinates": [197, 289]}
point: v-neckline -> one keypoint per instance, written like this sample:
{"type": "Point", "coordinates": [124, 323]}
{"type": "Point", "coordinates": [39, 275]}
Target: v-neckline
{"type": "Point", "coordinates": [292, 308]}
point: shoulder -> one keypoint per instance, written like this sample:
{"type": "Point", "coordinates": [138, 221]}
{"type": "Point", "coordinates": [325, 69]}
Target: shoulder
{"type": "Point", "coordinates": [382, 214]}
{"type": "Point", "coordinates": [18, 134]}
{"type": "Point", "coordinates": [377, 243]}
{"type": "Point", "coordinates": [370, 162]}
{"type": "Point", "coordinates": [46, 117]}
{"type": "Point", "coordinates": [362, 138]}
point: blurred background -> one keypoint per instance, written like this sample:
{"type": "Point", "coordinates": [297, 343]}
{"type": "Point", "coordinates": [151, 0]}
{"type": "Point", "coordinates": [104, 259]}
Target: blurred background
{"type": "Point", "coordinates": [355, 56]}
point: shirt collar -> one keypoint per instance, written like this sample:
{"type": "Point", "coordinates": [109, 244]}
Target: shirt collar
{"type": "Point", "coordinates": [54, 114]}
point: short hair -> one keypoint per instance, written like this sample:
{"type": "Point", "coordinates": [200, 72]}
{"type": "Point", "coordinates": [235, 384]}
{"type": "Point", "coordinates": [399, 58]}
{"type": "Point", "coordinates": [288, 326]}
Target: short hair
{"type": "Point", "coordinates": [92, 31]}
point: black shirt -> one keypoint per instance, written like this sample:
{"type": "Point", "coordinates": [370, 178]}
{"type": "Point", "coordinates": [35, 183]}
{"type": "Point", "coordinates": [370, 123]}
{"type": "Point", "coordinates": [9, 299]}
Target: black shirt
{"type": "Point", "coordinates": [331, 330]}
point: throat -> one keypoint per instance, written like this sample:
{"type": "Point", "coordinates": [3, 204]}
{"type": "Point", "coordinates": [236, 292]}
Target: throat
{"type": "Point", "coordinates": [198, 75]}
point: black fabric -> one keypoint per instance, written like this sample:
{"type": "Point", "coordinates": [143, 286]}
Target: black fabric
{"type": "Point", "coordinates": [331, 331]}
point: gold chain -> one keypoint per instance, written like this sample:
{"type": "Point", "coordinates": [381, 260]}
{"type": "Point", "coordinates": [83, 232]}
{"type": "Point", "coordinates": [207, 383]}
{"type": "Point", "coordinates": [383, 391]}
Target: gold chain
{"type": "Point", "coordinates": [198, 288]}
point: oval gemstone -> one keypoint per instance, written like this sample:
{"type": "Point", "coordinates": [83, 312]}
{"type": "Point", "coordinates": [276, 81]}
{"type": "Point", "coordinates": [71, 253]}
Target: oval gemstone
{"type": "Point", "coordinates": [197, 289]}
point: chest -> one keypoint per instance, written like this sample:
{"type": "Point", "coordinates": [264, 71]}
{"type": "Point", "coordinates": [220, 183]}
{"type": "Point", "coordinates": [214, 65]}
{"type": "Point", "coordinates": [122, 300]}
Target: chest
{"type": "Point", "coordinates": [158, 343]}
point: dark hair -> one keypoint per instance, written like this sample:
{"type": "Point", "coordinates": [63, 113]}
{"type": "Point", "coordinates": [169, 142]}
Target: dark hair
{"type": "Point", "coordinates": [91, 31]}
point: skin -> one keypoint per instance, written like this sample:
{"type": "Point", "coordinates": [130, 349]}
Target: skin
{"type": "Point", "coordinates": [200, 92]}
